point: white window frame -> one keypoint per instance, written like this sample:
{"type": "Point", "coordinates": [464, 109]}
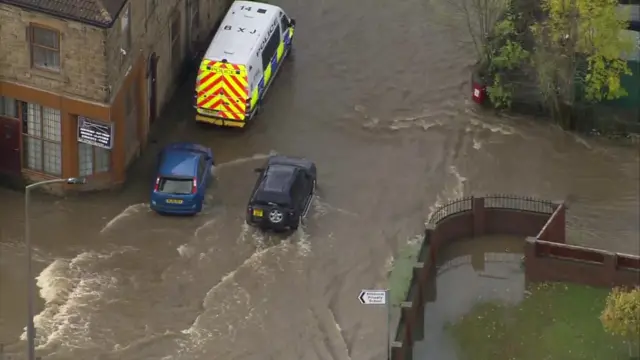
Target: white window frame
{"type": "Point", "coordinates": [36, 133]}
{"type": "Point", "coordinates": [36, 48]}
{"type": "Point", "coordinates": [97, 158]}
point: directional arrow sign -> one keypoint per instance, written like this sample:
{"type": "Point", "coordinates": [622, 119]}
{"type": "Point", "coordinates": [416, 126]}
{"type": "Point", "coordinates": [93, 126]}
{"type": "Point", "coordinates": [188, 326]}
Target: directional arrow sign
{"type": "Point", "coordinates": [373, 297]}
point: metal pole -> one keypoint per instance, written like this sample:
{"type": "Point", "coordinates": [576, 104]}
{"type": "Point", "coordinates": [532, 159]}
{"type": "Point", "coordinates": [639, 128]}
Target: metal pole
{"type": "Point", "coordinates": [31, 331]}
{"type": "Point", "coordinates": [388, 298]}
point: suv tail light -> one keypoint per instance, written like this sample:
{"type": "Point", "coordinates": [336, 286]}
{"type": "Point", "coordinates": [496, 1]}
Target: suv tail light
{"type": "Point", "coordinates": [194, 189]}
{"type": "Point", "coordinates": [157, 186]}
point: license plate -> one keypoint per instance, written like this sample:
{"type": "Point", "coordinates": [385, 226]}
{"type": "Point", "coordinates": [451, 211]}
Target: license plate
{"type": "Point", "coordinates": [208, 112]}
{"type": "Point", "coordinates": [174, 201]}
{"type": "Point", "coordinates": [257, 212]}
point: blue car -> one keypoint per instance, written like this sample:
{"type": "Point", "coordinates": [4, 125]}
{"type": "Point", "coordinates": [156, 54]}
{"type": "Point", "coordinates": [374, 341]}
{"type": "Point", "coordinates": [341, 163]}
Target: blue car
{"type": "Point", "coordinates": [183, 173]}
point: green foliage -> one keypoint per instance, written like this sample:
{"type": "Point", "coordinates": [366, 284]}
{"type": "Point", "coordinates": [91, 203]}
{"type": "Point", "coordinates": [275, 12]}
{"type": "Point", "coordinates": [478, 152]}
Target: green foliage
{"type": "Point", "coordinates": [506, 54]}
{"type": "Point", "coordinates": [500, 93]}
{"type": "Point", "coordinates": [589, 29]}
{"type": "Point", "coordinates": [621, 314]}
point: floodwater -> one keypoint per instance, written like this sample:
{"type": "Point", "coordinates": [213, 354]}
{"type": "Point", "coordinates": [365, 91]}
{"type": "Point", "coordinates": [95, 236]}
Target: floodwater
{"type": "Point", "coordinates": [469, 272]}
{"type": "Point", "coordinates": [383, 110]}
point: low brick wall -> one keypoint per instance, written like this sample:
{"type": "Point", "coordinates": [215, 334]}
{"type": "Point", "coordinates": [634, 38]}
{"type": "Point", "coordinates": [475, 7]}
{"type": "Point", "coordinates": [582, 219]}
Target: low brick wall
{"type": "Point", "coordinates": [547, 257]}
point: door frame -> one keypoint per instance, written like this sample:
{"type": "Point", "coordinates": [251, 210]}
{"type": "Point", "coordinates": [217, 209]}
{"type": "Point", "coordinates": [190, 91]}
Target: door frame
{"type": "Point", "coordinates": [16, 126]}
{"type": "Point", "coordinates": [152, 87]}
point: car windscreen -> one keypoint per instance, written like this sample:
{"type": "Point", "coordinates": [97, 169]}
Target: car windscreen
{"type": "Point", "coordinates": [181, 186]}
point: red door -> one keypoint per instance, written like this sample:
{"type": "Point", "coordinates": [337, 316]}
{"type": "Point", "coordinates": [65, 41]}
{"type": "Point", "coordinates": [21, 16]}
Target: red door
{"type": "Point", "coordinates": [10, 146]}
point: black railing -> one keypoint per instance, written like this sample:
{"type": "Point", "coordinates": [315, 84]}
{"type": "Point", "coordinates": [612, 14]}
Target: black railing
{"type": "Point", "coordinates": [451, 208]}
{"type": "Point", "coordinates": [522, 203]}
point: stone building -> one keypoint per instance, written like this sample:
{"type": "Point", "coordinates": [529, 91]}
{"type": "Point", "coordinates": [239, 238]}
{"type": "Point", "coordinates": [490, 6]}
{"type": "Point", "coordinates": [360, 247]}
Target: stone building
{"type": "Point", "coordinates": [81, 81]}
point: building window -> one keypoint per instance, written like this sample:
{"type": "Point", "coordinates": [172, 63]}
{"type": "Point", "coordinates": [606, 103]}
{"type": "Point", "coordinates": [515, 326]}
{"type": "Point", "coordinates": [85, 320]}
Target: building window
{"type": "Point", "coordinates": [45, 48]}
{"type": "Point", "coordinates": [176, 50]}
{"type": "Point", "coordinates": [8, 107]}
{"type": "Point", "coordinates": [42, 135]}
{"type": "Point", "coordinates": [125, 30]}
{"type": "Point", "coordinates": [93, 159]}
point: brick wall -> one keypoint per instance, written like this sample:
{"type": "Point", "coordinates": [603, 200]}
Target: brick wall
{"type": "Point", "coordinates": [84, 72]}
{"type": "Point", "coordinates": [547, 257]}
{"type": "Point", "coordinates": [151, 34]}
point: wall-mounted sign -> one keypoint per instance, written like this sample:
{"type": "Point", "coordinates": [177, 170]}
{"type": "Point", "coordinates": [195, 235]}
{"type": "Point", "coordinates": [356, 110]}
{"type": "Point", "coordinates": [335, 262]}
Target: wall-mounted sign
{"type": "Point", "coordinates": [95, 133]}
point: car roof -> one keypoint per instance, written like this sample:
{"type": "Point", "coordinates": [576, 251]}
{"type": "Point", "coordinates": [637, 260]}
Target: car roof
{"type": "Point", "coordinates": [276, 183]}
{"type": "Point", "coordinates": [179, 162]}
{"type": "Point", "coordinates": [278, 178]}
{"type": "Point", "coordinates": [234, 46]}
{"type": "Point", "coordinates": [187, 146]}
{"type": "Point", "coordinates": [289, 161]}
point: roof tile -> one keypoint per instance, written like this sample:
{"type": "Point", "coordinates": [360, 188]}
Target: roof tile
{"type": "Point", "coordinates": [95, 12]}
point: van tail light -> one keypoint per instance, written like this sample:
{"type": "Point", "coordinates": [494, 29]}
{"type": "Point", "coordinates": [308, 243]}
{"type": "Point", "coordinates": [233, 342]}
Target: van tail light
{"type": "Point", "coordinates": [194, 189]}
{"type": "Point", "coordinates": [157, 186]}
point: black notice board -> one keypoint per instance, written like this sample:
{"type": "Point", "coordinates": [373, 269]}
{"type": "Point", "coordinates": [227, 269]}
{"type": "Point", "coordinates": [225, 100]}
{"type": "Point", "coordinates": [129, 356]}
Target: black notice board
{"type": "Point", "coordinates": [95, 133]}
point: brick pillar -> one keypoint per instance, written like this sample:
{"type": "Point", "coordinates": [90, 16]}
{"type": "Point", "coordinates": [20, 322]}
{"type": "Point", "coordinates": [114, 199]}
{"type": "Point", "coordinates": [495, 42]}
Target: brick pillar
{"type": "Point", "coordinates": [478, 216]}
{"type": "Point", "coordinates": [431, 241]}
{"type": "Point", "coordinates": [69, 144]}
{"type": "Point", "coordinates": [409, 320]}
{"type": "Point", "coordinates": [397, 351]}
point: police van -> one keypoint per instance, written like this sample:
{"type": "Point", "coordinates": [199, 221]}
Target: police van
{"type": "Point", "coordinates": [241, 63]}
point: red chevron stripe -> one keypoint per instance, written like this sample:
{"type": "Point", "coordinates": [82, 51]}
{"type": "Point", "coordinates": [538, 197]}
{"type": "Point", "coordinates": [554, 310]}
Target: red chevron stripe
{"type": "Point", "coordinates": [205, 78]}
{"type": "Point", "coordinates": [208, 88]}
{"type": "Point", "coordinates": [233, 91]}
{"type": "Point", "coordinates": [240, 85]}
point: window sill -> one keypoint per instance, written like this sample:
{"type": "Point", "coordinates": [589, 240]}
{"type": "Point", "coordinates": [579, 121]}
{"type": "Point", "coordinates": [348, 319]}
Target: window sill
{"type": "Point", "coordinates": [47, 74]}
{"type": "Point", "coordinates": [33, 174]}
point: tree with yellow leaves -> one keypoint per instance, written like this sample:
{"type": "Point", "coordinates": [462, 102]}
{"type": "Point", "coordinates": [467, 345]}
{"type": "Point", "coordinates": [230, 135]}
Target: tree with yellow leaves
{"type": "Point", "coordinates": [621, 316]}
{"type": "Point", "coordinates": [579, 53]}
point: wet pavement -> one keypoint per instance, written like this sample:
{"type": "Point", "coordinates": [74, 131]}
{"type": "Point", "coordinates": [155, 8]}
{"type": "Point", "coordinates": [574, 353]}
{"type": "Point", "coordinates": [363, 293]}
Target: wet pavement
{"type": "Point", "coordinates": [384, 112]}
{"type": "Point", "coordinates": [469, 272]}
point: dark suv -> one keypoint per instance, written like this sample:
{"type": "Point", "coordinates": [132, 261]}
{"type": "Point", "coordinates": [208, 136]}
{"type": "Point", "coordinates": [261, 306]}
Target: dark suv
{"type": "Point", "coordinates": [283, 192]}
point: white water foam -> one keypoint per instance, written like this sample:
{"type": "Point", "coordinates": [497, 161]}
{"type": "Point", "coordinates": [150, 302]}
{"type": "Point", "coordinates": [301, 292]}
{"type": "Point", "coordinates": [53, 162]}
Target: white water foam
{"type": "Point", "coordinates": [452, 190]}
{"type": "Point", "coordinates": [245, 160]}
{"type": "Point", "coordinates": [67, 287]}
{"type": "Point", "coordinates": [425, 121]}
{"type": "Point", "coordinates": [322, 208]}
{"type": "Point", "coordinates": [494, 128]}
{"type": "Point", "coordinates": [130, 210]}
{"type": "Point", "coordinates": [477, 144]}
{"type": "Point", "coordinates": [196, 333]}
{"type": "Point", "coordinates": [303, 244]}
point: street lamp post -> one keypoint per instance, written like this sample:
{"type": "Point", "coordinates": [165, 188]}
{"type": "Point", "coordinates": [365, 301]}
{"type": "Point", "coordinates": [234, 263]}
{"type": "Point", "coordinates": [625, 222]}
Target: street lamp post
{"type": "Point", "coordinates": [31, 332]}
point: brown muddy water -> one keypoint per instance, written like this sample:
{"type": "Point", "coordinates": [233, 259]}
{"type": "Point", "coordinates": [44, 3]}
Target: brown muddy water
{"type": "Point", "coordinates": [487, 269]}
{"type": "Point", "coordinates": [383, 110]}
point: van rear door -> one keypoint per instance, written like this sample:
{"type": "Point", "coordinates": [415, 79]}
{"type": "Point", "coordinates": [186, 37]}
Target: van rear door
{"type": "Point", "coordinates": [222, 90]}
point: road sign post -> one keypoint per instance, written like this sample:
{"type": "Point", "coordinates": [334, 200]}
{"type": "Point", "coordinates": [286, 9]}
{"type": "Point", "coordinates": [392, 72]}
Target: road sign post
{"type": "Point", "coordinates": [379, 297]}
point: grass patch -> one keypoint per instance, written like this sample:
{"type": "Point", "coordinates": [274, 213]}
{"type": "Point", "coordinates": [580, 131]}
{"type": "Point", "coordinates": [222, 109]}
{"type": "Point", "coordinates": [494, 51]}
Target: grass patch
{"type": "Point", "coordinates": [401, 272]}
{"type": "Point", "coordinates": [555, 322]}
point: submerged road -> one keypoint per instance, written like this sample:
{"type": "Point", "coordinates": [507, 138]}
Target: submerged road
{"type": "Point", "coordinates": [382, 108]}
